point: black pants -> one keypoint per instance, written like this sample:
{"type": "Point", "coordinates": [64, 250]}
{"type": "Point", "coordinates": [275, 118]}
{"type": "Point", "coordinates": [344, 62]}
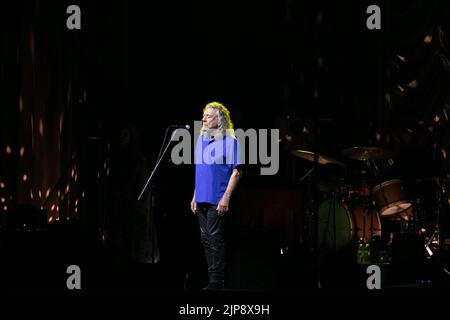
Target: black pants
{"type": "Point", "coordinates": [212, 238]}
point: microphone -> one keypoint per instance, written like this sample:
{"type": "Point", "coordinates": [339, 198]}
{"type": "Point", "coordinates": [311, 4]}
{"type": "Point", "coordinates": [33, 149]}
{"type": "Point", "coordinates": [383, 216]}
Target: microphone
{"type": "Point", "coordinates": [185, 126]}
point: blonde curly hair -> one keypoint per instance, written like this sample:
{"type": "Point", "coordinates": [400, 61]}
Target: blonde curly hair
{"type": "Point", "coordinates": [224, 122]}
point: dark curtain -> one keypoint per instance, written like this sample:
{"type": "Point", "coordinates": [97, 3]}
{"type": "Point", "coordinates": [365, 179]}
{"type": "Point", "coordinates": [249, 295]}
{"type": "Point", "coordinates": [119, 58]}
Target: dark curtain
{"type": "Point", "coordinates": [60, 91]}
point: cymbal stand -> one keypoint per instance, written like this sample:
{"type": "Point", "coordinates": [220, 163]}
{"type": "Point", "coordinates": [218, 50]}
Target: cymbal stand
{"type": "Point", "coordinates": [306, 174]}
{"type": "Point", "coordinates": [435, 238]}
{"type": "Point", "coordinates": [365, 201]}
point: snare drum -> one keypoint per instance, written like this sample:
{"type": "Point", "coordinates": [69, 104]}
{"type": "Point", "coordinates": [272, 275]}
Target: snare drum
{"type": "Point", "coordinates": [390, 198]}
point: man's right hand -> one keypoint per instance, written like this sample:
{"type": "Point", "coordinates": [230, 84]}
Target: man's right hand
{"type": "Point", "coordinates": [194, 206]}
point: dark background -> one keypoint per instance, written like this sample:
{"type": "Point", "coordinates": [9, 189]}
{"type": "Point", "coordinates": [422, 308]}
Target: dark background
{"type": "Point", "coordinates": [64, 94]}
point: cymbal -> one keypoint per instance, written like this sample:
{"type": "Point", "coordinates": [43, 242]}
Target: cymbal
{"type": "Point", "coordinates": [366, 153]}
{"type": "Point", "coordinates": [308, 155]}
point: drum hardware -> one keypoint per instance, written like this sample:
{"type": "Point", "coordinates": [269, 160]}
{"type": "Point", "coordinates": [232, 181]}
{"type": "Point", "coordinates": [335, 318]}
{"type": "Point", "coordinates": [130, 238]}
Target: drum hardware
{"type": "Point", "coordinates": [434, 242]}
{"type": "Point", "coordinates": [376, 168]}
{"type": "Point", "coordinates": [348, 216]}
{"type": "Point", "coordinates": [367, 157]}
{"type": "Point", "coordinates": [429, 195]}
{"type": "Point", "coordinates": [375, 201]}
{"type": "Point", "coordinates": [306, 175]}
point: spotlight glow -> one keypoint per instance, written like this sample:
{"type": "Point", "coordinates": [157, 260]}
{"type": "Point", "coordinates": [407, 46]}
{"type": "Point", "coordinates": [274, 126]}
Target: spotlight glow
{"type": "Point", "coordinates": [41, 127]}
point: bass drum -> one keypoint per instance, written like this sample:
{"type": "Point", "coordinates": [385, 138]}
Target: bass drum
{"type": "Point", "coordinates": [342, 224]}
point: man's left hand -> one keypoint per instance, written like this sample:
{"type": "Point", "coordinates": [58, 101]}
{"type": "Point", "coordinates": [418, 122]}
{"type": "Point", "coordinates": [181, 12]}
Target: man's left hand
{"type": "Point", "coordinates": [223, 206]}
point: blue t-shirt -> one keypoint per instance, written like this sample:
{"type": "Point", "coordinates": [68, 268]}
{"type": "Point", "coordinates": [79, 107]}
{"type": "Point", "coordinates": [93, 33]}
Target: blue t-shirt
{"type": "Point", "coordinates": [214, 164]}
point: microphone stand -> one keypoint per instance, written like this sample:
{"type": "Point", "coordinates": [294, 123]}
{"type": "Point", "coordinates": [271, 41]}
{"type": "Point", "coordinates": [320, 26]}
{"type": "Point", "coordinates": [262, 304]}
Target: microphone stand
{"type": "Point", "coordinates": [158, 161]}
{"type": "Point", "coordinates": [156, 167]}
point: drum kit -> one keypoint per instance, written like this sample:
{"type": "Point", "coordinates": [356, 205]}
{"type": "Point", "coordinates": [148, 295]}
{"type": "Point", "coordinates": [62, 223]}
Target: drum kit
{"type": "Point", "coordinates": [376, 206]}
